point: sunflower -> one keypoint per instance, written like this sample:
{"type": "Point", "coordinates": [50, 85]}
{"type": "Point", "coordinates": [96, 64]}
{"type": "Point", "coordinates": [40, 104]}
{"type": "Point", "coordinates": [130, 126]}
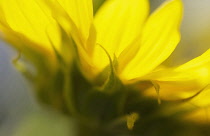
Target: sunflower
{"type": "Point", "coordinates": [121, 35]}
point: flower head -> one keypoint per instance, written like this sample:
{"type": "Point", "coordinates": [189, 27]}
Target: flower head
{"type": "Point", "coordinates": [121, 32]}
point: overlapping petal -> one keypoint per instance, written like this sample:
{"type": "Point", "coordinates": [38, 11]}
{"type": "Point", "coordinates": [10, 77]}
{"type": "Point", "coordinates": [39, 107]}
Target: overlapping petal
{"type": "Point", "coordinates": [118, 23]}
{"type": "Point", "coordinates": [76, 18]}
{"type": "Point", "coordinates": [199, 115]}
{"type": "Point", "coordinates": [29, 19]}
{"type": "Point", "coordinates": [159, 38]}
{"type": "Point", "coordinates": [185, 80]}
{"type": "Point", "coordinates": [81, 13]}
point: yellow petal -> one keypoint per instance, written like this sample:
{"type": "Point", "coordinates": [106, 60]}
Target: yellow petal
{"type": "Point", "coordinates": [199, 115]}
{"type": "Point", "coordinates": [185, 80]}
{"type": "Point", "coordinates": [81, 12]}
{"type": "Point", "coordinates": [42, 58]}
{"type": "Point", "coordinates": [27, 18]}
{"type": "Point", "coordinates": [76, 17]}
{"type": "Point", "coordinates": [202, 100]}
{"type": "Point", "coordinates": [118, 23]}
{"type": "Point", "coordinates": [159, 38]}
{"type": "Point", "coordinates": [200, 106]}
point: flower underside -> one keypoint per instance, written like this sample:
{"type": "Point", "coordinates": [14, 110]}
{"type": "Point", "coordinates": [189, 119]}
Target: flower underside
{"type": "Point", "coordinates": [121, 30]}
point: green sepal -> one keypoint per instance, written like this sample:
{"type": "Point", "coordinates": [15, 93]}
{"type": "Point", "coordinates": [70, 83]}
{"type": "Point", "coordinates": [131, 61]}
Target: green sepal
{"type": "Point", "coordinates": [107, 80]}
{"type": "Point", "coordinates": [22, 68]}
{"type": "Point", "coordinates": [113, 83]}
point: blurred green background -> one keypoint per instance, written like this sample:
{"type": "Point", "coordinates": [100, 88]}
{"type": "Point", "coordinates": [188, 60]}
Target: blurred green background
{"type": "Point", "coordinates": [20, 115]}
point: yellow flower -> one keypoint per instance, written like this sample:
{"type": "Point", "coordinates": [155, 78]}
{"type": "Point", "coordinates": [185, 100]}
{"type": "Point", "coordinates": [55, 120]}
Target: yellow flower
{"type": "Point", "coordinates": [138, 42]}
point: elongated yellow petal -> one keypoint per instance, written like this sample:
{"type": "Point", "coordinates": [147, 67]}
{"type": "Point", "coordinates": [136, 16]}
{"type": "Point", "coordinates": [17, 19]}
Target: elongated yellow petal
{"type": "Point", "coordinates": [81, 12]}
{"type": "Point", "coordinates": [202, 100]}
{"type": "Point", "coordinates": [159, 38]}
{"type": "Point", "coordinates": [200, 106]}
{"type": "Point", "coordinates": [199, 115]}
{"type": "Point", "coordinates": [76, 17]}
{"type": "Point", "coordinates": [27, 18]}
{"type": "Point", "coordinates": [118, 23]}
{"type": "Point", "coordinates": [185, 80]}
{"type": "Point", "coordinates": [39, 56]}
